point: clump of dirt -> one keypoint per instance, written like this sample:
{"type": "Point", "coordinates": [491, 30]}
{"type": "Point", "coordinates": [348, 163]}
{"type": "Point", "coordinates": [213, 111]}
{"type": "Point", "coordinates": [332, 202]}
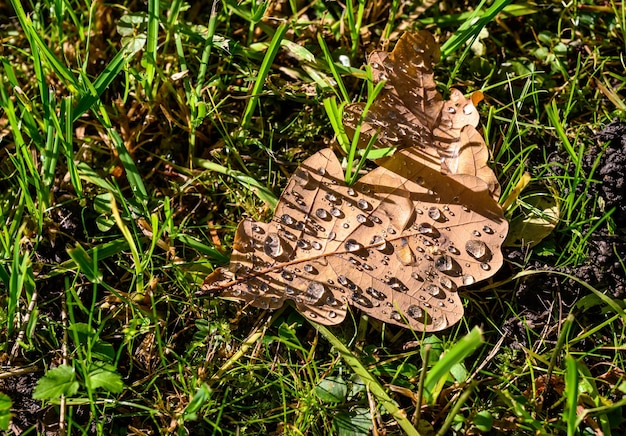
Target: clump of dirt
{"type": "Point", "coordinates": [611, 169]}
{"type": "Point", "coordinates": [603, 268]}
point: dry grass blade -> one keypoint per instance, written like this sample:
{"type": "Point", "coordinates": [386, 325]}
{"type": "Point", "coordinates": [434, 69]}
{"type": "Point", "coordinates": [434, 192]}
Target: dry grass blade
{"type": "Point", "coordinates": [398, 245]}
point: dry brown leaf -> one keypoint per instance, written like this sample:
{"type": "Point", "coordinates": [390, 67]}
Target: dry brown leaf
{"type": "Point", "coordinates": [410, 113]}
{"type": "Point", "coordinates": [398, 245]}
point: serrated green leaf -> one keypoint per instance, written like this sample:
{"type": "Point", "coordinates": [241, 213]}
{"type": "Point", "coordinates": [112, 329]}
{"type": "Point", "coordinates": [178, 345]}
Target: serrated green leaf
{"type": "Point", "coordinates": [104, 376]}
{"type": "Point", "coordinates": [56, 382]}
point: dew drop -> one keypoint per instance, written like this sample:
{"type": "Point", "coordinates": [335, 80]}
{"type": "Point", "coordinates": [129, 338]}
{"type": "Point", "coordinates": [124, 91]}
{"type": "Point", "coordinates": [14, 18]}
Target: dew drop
{"type": "Point", "coordinates": [308, 268]}
{"type": "Point", "coordinates": [316, 245]}
{"type": "Point", "coordinates": [395, 284]}
{"type": "Point", "coordinates": [467, 110]}
{"type": "Point", "coordinates": [452, 249]}
{"type": "Point", "coordinates": [361, 219]}
{"type": "Point", "coordinates": [452, 110]}
{"type": "Point", "coordinates": [378, 242]}
{"type": "Point", "coordinates": [376, 294]}
{"type": "Point", "coordinates": [332, 314]}
{"type": "Point", "coordinates": [395, 316]}
{"type": "Point", "coordinates": [391, 230]}
{"type": "Point", "coordinates": [331, 236]}
{"type": "Point", "coordinates": [376, 219]}
{"type": "Point", "coordinates": [420, 181]}
{"type": "Point", "coordinates": [352, 245]}
{"type": "Point", "coordinates": [485, 266]}
{"type": "Point", "coordinates": [360, 299]}
{"type": "Point", "coordinates": [446, 283]}
{"type": "Point", "coordinates": [286, 275]}
{"type": "Point", "coordinates": [287, 220]}
{"type": "Point", "coordinates": [476, 233]}
{"type": "Point", "coordinates": [272, 245]}
{"type": "Point", "coordinates": [363, 204]}
{"type": "Point", "coordinates": [321, 171]}
{"type": "Point", "coordinates": [434, 213]}
{"type": "Point", "coordinates": [417, 277]}
{"type": "Point", "coordinates": [415, 312]}
{"type": "Point", "coordinates": [435, 291]}
{"type": "Point", "coordinates": [345, 225]}
{"type": "Point", "coordinates": [342, 280]}
{"type": "Point", "coordinates": [331, 197]}
{"type": "Point", "coordinates": [488, 230]}
{"type": "Point", "coordinates": [304, 244]}
{"type": "Point", "coordinates": [311, 315]}
{"type": "Point", "coordinates": [477, 249]}
{"type": "Point", "coordinates": [468, 280]}
{"type": "Point", "coordinates": [447, 264]}
{"type": "Point", "coordinates": [314, 292]}
{"type": "Point", "coordinates": [321, 213]}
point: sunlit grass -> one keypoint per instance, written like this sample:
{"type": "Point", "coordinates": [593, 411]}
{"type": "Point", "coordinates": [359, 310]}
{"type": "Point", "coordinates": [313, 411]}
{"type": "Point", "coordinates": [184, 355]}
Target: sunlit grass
{"type": "Point", "coordinates": [135, 140]}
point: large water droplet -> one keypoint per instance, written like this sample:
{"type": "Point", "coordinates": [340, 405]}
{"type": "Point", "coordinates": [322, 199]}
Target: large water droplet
{"type": "Point", "coordinates": [361, 219]}
{"type": "Point", "coordinates": [352, 245]}
{"type": "Point", "coordinates": [316, 245]}
{"type": "Point", "coordinates": [314, 292]}
{"type": "Point", "coordinates": [286, 275]}
{"type": "Point", "coordinates": [488, 230]}
{"type": "Point", "coordinates": [446, 283]}
{"type": "Point", "coordinates": [363, 204]}
{"type": "Point", "coordinates": [272, 245]}
{"type": "Point", "coordinates": [435, 291]}
{"type": "Point", "coordinates": [478, 249]}
{"type": "Point", "coordinates": [446, 264]}
{"type": "Point", "coordinates": [434, 213]}
{"type": "Point", "coordinates": [331, 197]}
{"type": "Point", "coordinates": [415, 312]}
{"type": "Point", "coordinates": [376, 294]}
{"type": "Point", "coordinates": [361, 300]}
{"type": "Point", "coordinates": [321, 213]}
{"type": "Point", "coordinates": [304, 244]}
{"type": "Point", "coordinates": [395, 284]}
{"type": "Point", "coordinates": [378, 242]}
{"type": "Point", "coordinates": [308, 268]}
{"type": "Point", "coordinates": [395, 316]}
{"type": "Point", "coordinates": [337, 213]}
{"type": "Point", "coordinates": [331, 236]}
{"type": "Point", "coordinates": [468, 280]}
{"type": "Point", "coordinates": [287, 220]}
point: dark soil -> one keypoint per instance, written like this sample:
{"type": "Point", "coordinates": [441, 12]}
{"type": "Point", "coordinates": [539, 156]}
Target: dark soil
{"type": "Point", "coordinates": [542, 297]}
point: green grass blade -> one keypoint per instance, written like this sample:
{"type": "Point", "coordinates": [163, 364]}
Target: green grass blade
{"type": "Point", "coordinates": [370, 381]}
{"type": "Point", "coordinates": [571, 395]}
{"type": "Point", "coordinates": [264, 69]}
{"type": "Point", "coordinates": [472, 27]}
{"type": "Point", "coordinates": [438, 374]}
{"type": "Point", "coordinates": [92, 93]}
{"type": "Point", "coordinates": [249, 182]}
